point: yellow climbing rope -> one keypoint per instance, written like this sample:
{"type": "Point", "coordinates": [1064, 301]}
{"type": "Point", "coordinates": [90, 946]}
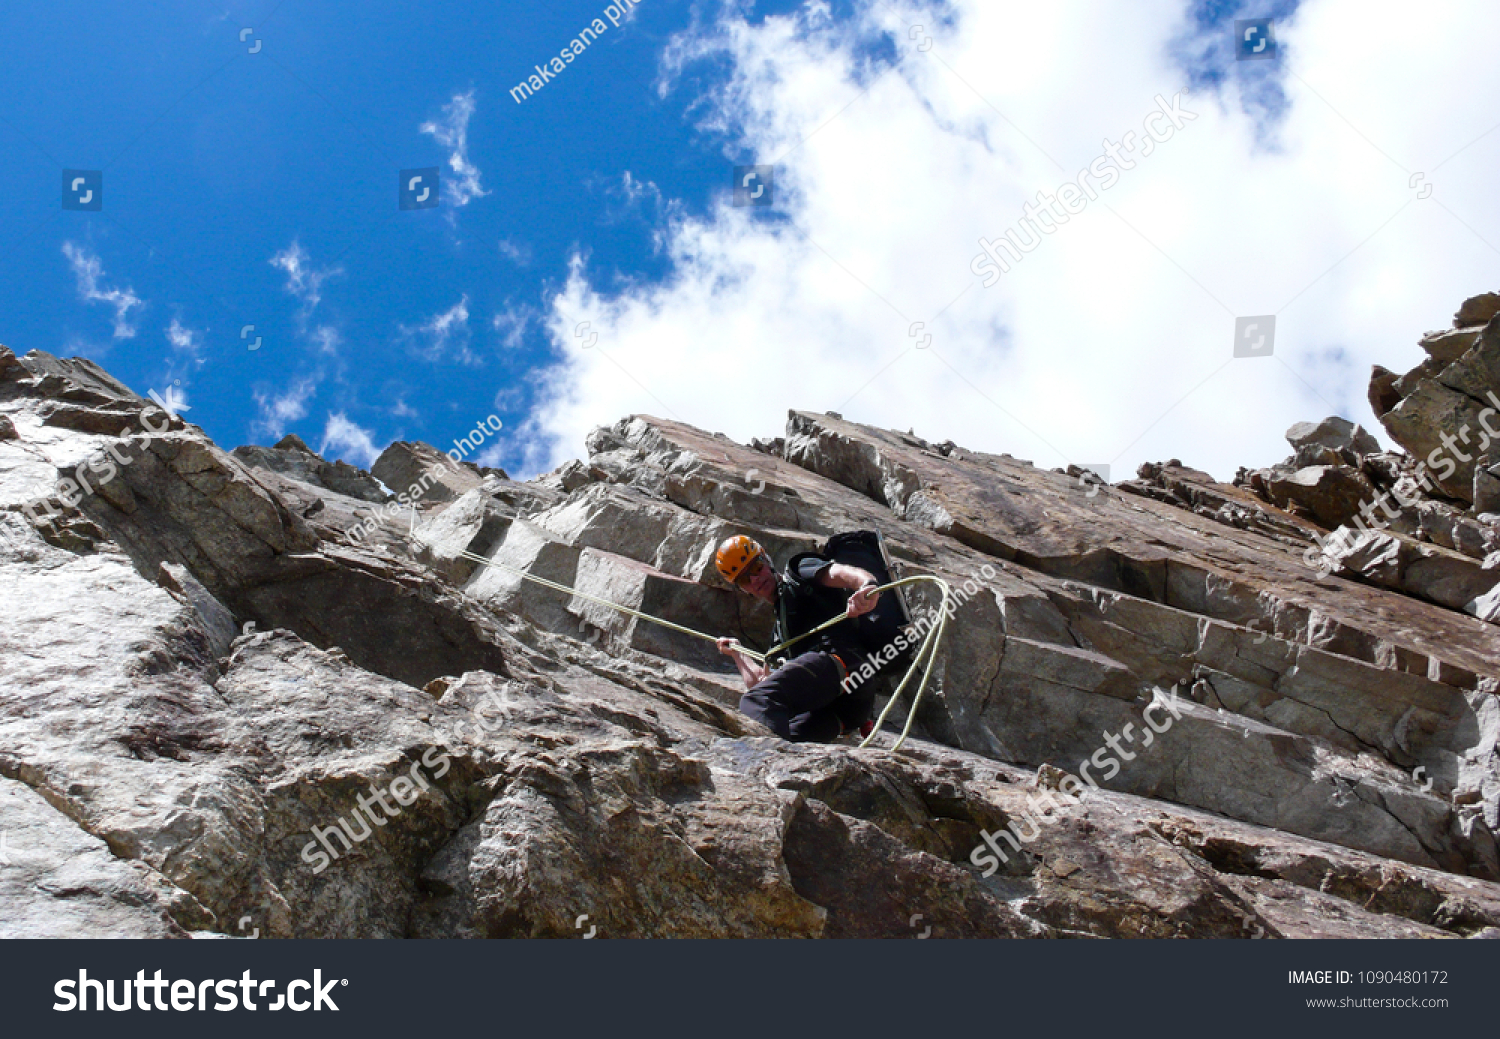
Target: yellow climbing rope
{"type": "Point", "coordinates": [927, 652]}
{"type": "Point", "coordinates": [929, 648]}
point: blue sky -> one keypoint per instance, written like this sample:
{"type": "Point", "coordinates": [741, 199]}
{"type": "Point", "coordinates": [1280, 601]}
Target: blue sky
{"type": "Point", "coordinates": [217, 160]}
{"type": "Point", "coordinates": [250, 186]}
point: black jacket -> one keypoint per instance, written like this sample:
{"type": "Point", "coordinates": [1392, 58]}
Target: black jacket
{"type": "Point", "coordinates": [802, 603]}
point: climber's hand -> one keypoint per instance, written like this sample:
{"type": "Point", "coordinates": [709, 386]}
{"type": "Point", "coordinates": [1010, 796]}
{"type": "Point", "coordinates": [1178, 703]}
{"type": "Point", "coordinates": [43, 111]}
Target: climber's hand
{"type": "Point", "coordinates": [863, 601]}
{"type": "Point", "coordinates": [728, 646]}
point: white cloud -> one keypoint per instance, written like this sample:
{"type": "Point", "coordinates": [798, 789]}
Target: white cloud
{"type": "Point", "coordinates": [438, 333]}
{"type": "Point", "coordinates": [518, 253]}
{"type": "Point", "coordinates": [635, 198]}
{"type": "Point", "coordinates": [278, 411]}
{"type": "Point", "coordinates": [185, 358]}
{"type": "Point", "coordinates": [491, 457]}
{"type": "Point", "coordinates": [1112, 341]}
{"type": "Point", "coordinates": [327, 339]}
{"type": "Point", "coordinates": [89, 271]}
{"type": "Point", "coordinates": [303, 280]}
{"type": "Point", "coordinates": [184, 339]}
{"type": "Point", "coordinates": [512, 323]}
{"type": "Point", "coordinates": [348, 442]}
{"type": "Point", "coordinates": [452, 132]}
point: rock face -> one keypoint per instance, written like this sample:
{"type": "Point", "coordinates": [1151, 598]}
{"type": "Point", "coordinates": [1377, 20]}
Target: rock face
{"type": "Point", "coordinates": [244, 693]}
{"type": "Point", "coordinates": [403, 464]}
{"type": "Point", "coordinates": [58, 881]}
{"type": "Point", "coordinates": [293, 458]}
{"type": "Point", "coordinates": [1332, 494]}
{"type": "Point", "coordinates": [1477, 310]}
{"type": "Point", "coordinates": [1427, 523]}
{"type": "Point", "coordinates": [1444, 411]}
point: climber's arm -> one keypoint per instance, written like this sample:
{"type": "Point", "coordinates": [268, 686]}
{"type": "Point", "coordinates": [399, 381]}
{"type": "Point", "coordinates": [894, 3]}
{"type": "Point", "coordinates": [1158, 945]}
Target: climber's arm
{"type": "Point", "coordinates": [750, 671]}
{"type": "Point", "coordinates": [852, 579]}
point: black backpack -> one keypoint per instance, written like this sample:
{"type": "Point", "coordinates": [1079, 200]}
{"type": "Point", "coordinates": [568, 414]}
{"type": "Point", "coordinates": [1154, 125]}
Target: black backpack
{"type": "Point", "coordinates": [805, 604]}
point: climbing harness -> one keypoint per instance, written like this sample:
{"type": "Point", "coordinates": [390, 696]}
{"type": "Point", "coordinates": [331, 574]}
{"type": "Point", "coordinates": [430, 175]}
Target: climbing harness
{"type": "Point", "coordinates": [925, 655]}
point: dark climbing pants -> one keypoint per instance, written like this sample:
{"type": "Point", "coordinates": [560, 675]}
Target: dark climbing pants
{"type": "Point", "coordinates": [803, 700]}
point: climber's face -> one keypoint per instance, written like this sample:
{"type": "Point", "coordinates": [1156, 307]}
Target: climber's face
{"type": "Point", "coordinates": [758, 579]}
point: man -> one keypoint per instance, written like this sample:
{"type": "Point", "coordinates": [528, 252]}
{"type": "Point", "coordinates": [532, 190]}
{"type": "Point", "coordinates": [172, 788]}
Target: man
{"type": "Point", "coordinates": [804, 699]}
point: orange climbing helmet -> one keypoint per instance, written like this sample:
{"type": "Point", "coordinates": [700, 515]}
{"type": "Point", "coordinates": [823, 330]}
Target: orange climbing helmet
{"type": "Point", "coordinates": [735, 556]}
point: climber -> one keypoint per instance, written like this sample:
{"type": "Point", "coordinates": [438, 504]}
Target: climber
{"type": "Point", "coordinates": [803, 700]}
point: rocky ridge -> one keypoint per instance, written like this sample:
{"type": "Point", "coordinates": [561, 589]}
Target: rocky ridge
{"type": "Point", "coordinates": [212, 657]}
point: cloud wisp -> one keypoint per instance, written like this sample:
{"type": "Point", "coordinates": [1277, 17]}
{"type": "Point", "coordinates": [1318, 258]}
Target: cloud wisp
{"type": "Point", "coordinates": [443, 331]}
{"type": "Point", "coordinates": [512, 323]}
{"type": "Point", "coordinates": [303, 280]}
{"type": "Point", "coordinates": [277, 411]}
{"type": "Point", "coordinates": [348, 441]}
{"type": "Point", "coordinates": [183, 339]}
{"type": "Point", "coordinates": [452, 132]}
{"type": "Point", "coordinates": [89, 270]}
{"type": "Point", "coordinates": [186, 356]}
